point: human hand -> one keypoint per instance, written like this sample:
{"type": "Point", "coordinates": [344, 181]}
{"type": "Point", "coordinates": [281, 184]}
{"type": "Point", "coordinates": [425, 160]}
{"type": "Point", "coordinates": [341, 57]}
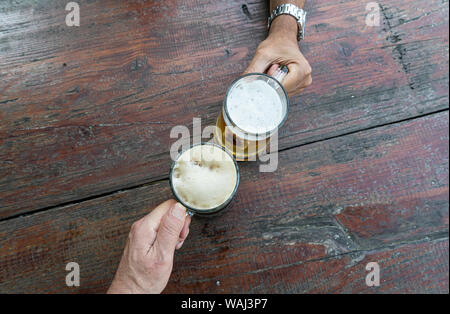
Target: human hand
{"type": "Point", "coordinates": [281, 48]}
{"type": "Point", "coordinates": [147, 260]}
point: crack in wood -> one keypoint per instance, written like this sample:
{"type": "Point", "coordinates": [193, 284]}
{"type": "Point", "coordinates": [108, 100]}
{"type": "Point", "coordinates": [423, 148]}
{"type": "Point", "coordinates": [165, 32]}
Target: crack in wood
{"type": "Point", "coordinates": [165, 177]}
{"type": "Point", "coordinates": [432, 238]}
{"type": "Point", "coordinates": [399, 51]}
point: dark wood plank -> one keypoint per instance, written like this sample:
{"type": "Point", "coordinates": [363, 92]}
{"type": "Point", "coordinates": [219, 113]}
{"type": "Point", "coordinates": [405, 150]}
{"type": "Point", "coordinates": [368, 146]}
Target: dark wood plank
{"type": "Point", "coordinates": [412, 268]}
{"type": "Point", "coordinates": [87, 111]}
{"type": "Point", "coordinates": [329, 208]}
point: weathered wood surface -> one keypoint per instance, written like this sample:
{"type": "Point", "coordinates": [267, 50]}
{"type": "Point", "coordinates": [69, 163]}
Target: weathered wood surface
{"type": "Point", "coordinates": [410, 268]}
{"type": "Point", "coordinates": [312, 226]}
{"type": "Point", "coordinates": [87, 110]}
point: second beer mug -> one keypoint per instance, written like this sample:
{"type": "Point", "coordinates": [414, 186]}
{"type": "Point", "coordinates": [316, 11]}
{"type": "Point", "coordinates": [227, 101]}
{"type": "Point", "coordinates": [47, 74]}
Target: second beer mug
{"type": "Point", "coordinates": [255, 107]}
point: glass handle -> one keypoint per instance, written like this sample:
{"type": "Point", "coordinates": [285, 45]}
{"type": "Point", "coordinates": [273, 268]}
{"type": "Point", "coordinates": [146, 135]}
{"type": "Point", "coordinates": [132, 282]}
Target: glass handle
{"type": "Point", "coordinates": [281, 73]}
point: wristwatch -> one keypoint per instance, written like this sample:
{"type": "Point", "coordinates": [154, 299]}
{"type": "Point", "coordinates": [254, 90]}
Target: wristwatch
{"type": "Point", "coordinates": [293, 10]}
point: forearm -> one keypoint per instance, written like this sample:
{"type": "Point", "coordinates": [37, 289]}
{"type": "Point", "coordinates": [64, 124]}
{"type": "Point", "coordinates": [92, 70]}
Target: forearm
{"type": "Point", "coordinates": [285, 25]}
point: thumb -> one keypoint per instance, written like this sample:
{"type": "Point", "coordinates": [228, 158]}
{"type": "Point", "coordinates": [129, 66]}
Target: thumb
{"type": "Point", "coordinates": [170, 228]}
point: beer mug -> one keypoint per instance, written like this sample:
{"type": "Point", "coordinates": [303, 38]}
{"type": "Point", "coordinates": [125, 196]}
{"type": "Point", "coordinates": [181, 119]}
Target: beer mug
{"type": "Point", "coordinates": [256, 105]}
{"type": "Point", "coordinates": [204, 178]}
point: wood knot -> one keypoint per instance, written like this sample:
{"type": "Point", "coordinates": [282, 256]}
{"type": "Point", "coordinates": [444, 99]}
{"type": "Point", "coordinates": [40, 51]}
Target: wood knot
{"type": "Point", "coordinates": [246, 11]}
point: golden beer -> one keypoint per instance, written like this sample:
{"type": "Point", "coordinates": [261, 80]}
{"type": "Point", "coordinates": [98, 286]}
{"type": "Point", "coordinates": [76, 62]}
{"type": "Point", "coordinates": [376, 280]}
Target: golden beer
{"type": "Point", "coordinates": [255, 106]}
{"type": "Point", "coordinates": [242, 148]}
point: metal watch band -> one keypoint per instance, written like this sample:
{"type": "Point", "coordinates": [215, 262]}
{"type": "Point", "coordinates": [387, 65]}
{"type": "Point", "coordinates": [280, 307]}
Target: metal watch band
{"type": "Point", "coordinates": [293, 10]}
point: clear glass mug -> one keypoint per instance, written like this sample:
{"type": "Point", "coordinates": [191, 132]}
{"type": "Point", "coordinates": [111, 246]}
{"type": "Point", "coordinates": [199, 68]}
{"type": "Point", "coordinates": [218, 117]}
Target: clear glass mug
{"type": "Point", "coordinates": [245, 145]}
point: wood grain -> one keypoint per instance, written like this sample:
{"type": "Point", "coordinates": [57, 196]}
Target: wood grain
{"type": "Point", "coordinates": [87, 110]}
{"type": "Point", "coordinates": [411, 268]}
{"type": "Point", "coordinates": [311, 226]}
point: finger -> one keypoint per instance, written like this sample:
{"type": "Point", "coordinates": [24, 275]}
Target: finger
{"type": "Point", "coordinates": [259, 64]}
{"type": "Point", "coordinates": [298, 77]}
{"type": "Point", "coordinates": [306, 82]}
{"type": "Point", "coordinates": [156, 215]}
{"type": "Point", "coordinates": [185, 231]}
{"type": "Point", "coordinates": [179, 245]}
{"type": "Point", "coordinates": [303, 84]}
{"type": "Point", "coordinates": [273, 68]}
{"type": "Point", "coordinates": [145, 229]}
{"type": "Point", "coordinates": [293, 78]}
{"type": "Point", "coordinates": [169, 230]}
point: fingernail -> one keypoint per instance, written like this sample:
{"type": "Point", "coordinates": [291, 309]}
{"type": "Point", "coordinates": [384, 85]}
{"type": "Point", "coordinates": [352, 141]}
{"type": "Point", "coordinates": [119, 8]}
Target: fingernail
{"type": "Point", "coordinates": [179, 211]}
{"type": "Point", "coordinates": [179, 245]}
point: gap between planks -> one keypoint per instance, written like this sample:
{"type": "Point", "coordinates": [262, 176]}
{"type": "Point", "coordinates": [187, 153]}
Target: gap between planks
{"type": "Point", "coordinates": [166, 177]}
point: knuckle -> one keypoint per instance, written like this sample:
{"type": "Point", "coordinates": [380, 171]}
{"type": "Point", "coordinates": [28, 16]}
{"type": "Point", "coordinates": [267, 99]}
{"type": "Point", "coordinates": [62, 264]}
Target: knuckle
{"type": "Point", "coordinates": [308, 81]}
{"type": "Point", "coordinates": [308, 70]}
{"type": "Point", "coordinates": [135, 227]}
{"type": "Point", "coordinates": [262, 51]}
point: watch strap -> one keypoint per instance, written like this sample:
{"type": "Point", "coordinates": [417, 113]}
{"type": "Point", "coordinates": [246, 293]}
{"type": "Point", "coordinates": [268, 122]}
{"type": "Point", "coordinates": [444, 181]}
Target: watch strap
{"type": "Point", "coordinates": [293, 10]}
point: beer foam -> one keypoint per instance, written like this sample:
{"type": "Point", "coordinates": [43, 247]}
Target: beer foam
{"type": "Point", "coordinates": [204, 177]}
{"type": "Point", "coordinates": [255, 106]}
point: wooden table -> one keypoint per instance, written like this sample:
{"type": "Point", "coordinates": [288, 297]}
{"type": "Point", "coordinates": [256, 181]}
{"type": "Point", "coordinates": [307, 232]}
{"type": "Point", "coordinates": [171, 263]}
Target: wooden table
{"type": "Point", "coordinates": [85, 117]}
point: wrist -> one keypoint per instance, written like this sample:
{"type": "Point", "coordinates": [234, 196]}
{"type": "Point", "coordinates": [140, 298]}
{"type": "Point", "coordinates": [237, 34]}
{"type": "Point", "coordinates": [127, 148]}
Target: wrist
{"type": "Point", "coordinates": [118, 287]}
{"type": "Point", "coordinates": [121, 285]}
{"type": "Point", "coordinates": [284, 25]}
